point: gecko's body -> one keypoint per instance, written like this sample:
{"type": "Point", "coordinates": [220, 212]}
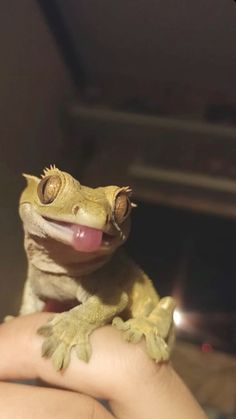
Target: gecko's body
{"type": "Point", "coordinates": [72, 239]}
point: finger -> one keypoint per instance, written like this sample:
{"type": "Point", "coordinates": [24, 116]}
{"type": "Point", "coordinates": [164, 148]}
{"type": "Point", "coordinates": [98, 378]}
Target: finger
{"type": "Point", "coordinates": [20, 358]}
{"type": "Point", "coordinates": [38, 402]}
{"type": "Point", "coordinates": [117, 371]}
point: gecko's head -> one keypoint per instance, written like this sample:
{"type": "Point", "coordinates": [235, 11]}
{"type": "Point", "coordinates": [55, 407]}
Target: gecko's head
{"type": "Point", "coordinates": [58, 207]}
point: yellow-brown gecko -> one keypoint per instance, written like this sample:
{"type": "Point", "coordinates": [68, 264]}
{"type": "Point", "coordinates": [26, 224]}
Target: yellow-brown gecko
{"type": "Point", "coordinates": [72, 238]}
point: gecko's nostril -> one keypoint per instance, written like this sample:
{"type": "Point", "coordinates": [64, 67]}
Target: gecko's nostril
{"type": "Point", "coordinates": [75, 209]}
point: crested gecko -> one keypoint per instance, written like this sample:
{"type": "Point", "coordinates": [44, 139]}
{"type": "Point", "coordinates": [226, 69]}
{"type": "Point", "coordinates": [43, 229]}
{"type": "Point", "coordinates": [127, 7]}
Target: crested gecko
{"type": "Point", "coordinates": [72, 238]}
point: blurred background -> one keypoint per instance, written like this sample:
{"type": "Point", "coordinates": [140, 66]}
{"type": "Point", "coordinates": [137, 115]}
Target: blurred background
{"type": "Point", "coordinates": [138, 93]}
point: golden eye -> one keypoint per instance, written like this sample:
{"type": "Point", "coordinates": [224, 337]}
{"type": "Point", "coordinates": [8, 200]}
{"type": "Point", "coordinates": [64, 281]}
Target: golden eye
{"type": "Point", "coordinates": [48, 188]}
{"type": "Point", "coordinates": [122, 208]}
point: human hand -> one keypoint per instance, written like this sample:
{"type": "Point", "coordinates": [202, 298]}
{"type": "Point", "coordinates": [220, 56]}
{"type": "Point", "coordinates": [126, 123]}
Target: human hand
{"type": "Point", "coordinates": [118, 371]}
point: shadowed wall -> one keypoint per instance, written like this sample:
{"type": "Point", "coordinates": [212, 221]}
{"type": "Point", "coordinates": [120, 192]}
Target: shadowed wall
{"type": "Point", "coordinates": [33, 85]}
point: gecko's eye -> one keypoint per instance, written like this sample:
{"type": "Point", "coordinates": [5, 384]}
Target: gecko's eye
{"type": "Point", "coordinates": [48, 188]}
{"type": "Point", "coordinates": [122, 208]}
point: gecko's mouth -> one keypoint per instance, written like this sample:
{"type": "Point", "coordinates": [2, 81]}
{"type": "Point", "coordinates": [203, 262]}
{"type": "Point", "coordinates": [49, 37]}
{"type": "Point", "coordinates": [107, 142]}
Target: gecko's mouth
{"type": "Point", "coordinates": [81, 238]}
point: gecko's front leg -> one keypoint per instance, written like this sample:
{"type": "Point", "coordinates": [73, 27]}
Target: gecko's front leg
{"type": "Point", "coordinates": [72, 329]}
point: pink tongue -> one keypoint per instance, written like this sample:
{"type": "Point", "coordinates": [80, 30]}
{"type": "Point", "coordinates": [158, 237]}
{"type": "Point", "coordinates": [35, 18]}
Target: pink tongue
{"type": "Point", "coordinates": [86, 239]}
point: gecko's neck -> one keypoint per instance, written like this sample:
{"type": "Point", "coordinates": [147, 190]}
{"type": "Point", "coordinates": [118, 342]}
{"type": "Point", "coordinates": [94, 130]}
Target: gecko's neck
{"type": "Point", "coordinates": [53, 257]}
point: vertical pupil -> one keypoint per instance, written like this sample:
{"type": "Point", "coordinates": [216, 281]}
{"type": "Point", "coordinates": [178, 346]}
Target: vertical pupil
{"type": "Point", "coordinates": [49, 187]}
{"type": "Point", "coordinates": [125, 207]}
{"type": "Point", "coordinates": [122, 207]}
{"type": "Point", "coordinates": [44, 187]}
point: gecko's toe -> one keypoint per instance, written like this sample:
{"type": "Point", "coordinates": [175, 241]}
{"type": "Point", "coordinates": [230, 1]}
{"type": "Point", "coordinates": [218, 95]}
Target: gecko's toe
{"type": "Point", "coordinates": [157, 348]}
{"type": "Point", "coordinates": [133, 336]}
{"type": "Point", "coordinates": [59, 356]}
{"type": "Point", "coordinates": [84, 351]}
{"type": "Point", "coordinates": [45, 330]}
{"type": "Point", "coordinates": [120, 324]}
{"type": "Point", "coordinates": [49, 346]}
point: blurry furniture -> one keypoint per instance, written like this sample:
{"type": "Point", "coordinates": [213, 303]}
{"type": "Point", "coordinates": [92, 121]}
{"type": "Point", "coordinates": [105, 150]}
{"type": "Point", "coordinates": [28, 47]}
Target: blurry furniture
{"type": "Point", "coordinates": [211, 376]}
{"type": "Point", "coordinates": [176, 162]}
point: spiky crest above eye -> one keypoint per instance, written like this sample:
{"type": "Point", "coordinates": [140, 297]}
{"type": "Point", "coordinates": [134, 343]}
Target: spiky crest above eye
{"type": "Point", "coordinates": [128, 191]}
{"type": "Point", "coordinates": [51, 170]}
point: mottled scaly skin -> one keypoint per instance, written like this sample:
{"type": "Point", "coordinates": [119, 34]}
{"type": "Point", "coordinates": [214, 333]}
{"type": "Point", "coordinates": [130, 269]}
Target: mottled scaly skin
{"type": "Point", "coordinates": [109, 287]}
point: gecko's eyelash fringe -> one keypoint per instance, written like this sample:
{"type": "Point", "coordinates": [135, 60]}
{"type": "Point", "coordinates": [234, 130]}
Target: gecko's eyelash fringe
{"type": "Point", "coordinates": [48, 170]}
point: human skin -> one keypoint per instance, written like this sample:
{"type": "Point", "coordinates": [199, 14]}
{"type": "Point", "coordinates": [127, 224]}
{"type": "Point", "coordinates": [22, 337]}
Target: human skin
{"type": "Point", "coordinates": [120, 372]}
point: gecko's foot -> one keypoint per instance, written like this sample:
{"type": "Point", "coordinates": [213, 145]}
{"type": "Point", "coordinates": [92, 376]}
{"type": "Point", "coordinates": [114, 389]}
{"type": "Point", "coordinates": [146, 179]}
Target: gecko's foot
{"type": "Point", "coordinates": [133, 331]}
{"type": "Point", "coordinates": [63, 332]}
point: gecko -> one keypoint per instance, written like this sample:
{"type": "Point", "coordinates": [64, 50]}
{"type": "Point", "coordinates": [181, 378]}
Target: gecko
{"type": "Point", "coordinates": [73, 237]}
